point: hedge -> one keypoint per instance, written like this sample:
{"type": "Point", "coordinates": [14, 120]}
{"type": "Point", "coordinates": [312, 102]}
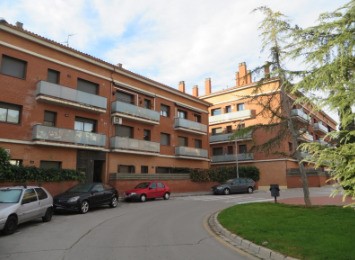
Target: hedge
{"type": "Point", "coordinates": [222, 174]}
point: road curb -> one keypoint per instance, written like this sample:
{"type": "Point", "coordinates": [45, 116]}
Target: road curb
{"type": "Point", "coordinates": [241, 243]}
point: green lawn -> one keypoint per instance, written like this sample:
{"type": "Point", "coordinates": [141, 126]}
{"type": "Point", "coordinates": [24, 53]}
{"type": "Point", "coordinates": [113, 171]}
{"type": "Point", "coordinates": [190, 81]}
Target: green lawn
{"type": "Point", "coordinates": [326, 232]}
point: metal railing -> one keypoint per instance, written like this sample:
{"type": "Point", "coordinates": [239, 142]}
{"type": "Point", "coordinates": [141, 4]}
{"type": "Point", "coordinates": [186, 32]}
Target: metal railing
{"type": "Point", "coordinates": [135, 111]}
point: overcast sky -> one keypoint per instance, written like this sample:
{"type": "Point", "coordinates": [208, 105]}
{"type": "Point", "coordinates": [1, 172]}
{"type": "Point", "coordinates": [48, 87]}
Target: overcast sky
{"type": "Point", "coordinates": [166, 40]}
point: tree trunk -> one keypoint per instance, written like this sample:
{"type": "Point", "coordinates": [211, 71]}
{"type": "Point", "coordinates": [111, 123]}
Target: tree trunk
{"type": "Point", "coordinates": [306, 197]}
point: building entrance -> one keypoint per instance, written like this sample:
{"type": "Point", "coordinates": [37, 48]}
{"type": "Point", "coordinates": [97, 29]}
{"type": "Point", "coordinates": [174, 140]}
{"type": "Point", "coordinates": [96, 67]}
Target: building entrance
{"type": "Point", "coordinates": [91, 164]}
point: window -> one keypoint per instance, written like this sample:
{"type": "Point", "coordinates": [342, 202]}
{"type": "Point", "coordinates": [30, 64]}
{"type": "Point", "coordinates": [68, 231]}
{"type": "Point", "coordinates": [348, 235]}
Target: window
{"type": "Point", "coordinates": [230, 149]}
{"type": "Point", "coordinates": [10, 113]}
{"type": "Point", "coordinates": [228, 109]}
{"type": "Point", "coordinates": [87, 86]}
{"type": "Point", "coordinates": [164, 110]}
{"type": "Point", "coordinates": [290, 147]}
{"type": "Point", "coordinates": [197, 118]}
{"type": "Point", "coordinates": [229, 129]}
{"type": "Point", "coordinates": [124, 97]}
{"type": "Point", "coordinates": [241, 126]}
{"type": "Point", "coordinates": [242, 148]}
{"type": "Point", "coordinates": [49, 118]}
{"type": "Point", "coordinates": [85, 124]}
{"type": "Point", "coordinates": [50, 165]}
{"type": "Point", "coordinates": [216, 112]}
{"type": "Point", "coordinates": [13, 67]}
{"type": "Point", "coordinates": [29, 196]}
{"type": "Point", "coordinates": [240, 107]}
{"type": "Point", "coordinates": [124, 131]}
{"type": "Point", "coordinates": [217, 151]}
{"type": "Point", "coordinates": [126, 169]}
{"type": "Point", "coordinates": [217, 131]}
{"type": "Point", "coordinates": [41, 193]}
{"type": "Point", "coordinates": [144, 169]}
{"type": "Point", "coordinates": [182, 114]}
{"type": "Point", "coordinates": [147, 104]}
{"type": "Point", "coordinates": [146, 135]}
{"type": "Point", "coordinates": [15, 162]}
{"type": "Point", "coordinates": [163, 169]}
{"type": "Point", "coordinates": [198, 143]}
{"type": "Point", "coordinates": [153, 185]}
{"type": "Point", "coordinates": [164, 139]}
{"type": "Point", "coordinates": [53, 76]}
{"type": "Point", "coordinates": [182, 141]}
{"type": "Point", "coordinates": [160, 185]}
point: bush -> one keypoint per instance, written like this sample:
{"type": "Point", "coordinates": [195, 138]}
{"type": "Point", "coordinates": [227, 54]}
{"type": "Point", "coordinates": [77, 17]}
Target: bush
{"type": "Point", "coordinates": [222, 174]}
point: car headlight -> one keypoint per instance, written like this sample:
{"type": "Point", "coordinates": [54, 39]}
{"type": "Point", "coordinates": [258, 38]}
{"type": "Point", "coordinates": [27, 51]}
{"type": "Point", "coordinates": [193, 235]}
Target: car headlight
{"type": "Point", "coordinates": [73, 199]}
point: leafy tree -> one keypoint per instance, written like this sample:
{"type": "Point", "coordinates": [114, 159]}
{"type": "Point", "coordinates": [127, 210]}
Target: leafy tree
{"type": "Point", "coordinates": [4, 162]}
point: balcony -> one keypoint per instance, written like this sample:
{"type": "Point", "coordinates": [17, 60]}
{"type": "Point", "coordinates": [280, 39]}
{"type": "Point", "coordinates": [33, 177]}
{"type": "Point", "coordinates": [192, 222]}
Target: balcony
{"type": "Point", "coordinates": [183, 151]}
{"type": "Point", "coordinates": [299, 114]}
{"type": "Point", "coordinates": [57, 94]}
{"type": "Point", "coordinates": [220, 138]}
{"type": "Point", "coordinates": [131, 145]}
{"type": "Point", "coordinates": [319, 127]}
{"type": "Point", "coordinates": [239, 115]}
{"type": "Point", "coordinates": [322, 142]}
{"type": "Point", "coordinates": [190, 126]}
{"type": "Point", "coordinates": [232, 157]}
{"type": "Point", "coordinates": [136, 113]}
{"type": "Point", "coordinates": [306, 136]}
{"type": "Point", "coordinates": [63, 137]}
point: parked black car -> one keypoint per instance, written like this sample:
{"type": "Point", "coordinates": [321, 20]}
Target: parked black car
{"type": "Point", "coordinates": [234, 186]}
{"type": "Point", "coordinates": [86, 195]}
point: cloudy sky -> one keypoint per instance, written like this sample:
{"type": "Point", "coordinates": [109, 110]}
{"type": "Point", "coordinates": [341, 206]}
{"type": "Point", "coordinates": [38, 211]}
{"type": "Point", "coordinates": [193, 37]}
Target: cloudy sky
{"type": "Point", "coordinates": [166, 40]}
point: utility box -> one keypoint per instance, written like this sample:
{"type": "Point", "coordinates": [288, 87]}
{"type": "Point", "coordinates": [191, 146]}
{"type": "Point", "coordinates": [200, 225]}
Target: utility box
{"type": "Point", "coordinates": [275, 191]}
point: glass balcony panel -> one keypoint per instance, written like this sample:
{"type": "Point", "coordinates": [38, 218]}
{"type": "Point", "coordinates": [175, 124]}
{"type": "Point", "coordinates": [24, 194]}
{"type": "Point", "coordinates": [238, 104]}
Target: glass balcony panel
{"type": "Point", "coordinates": [126, 143]}
{"type": "Point", "coordinates": [232, 158]}
{"type": "Point", "coordinates": [189, 124]}
{"type": "Point", "coordinates": [191, 152]}
{"type": "Point", "coordinates": [320, 127]}
{"type": "Point", "coordinates": [238, 115]}
{"type": "Point", "coordinates": [135, 111]}
{"type": "Point", "coordinates": [301, 114]}
{"type": "Point", "coordinates": [73, 95]}
{"type": "Point", "coordinates": [226, 137]}
{"type": "Point", "coordinates": [54, 134]}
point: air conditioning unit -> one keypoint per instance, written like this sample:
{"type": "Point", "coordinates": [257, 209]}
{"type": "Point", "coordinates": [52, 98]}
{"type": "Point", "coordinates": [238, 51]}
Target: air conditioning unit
{"type": "Point", "coordinates": [117, 120]}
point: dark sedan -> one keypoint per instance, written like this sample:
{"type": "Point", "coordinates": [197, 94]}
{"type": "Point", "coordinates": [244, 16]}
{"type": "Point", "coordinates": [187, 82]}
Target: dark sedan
{"type": "Point", "coordinates": [84, 196]}
{"type": "Point", "coordinates": [235, 186]}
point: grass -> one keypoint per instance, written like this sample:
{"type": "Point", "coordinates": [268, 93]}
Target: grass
{"type": "Point", "coordinates": [326, 232]}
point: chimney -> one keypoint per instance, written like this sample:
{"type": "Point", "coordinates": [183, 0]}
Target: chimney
{"type": "Point", "coordinates": [19, 25]}
{"type": "Point", "coordinates": [195, 91]}
{"type": "Point", "coordinates": [267, 70]}
{"type": "Point", "coordinates": [182, 86]}
{"type": "Point", "coordinates": [208, 86]}
{"type": "Point", "coordinates": [243, 76]}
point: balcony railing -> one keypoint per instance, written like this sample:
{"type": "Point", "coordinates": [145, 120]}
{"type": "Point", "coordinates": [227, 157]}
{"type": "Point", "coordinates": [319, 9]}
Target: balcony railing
{"type": "Point", "coordinates": [136, 113]}
{"type": "Point", "coordinates": [63, 95]}
{"type": "Point", "coordinates": [238, 115]}
{"type": "Point", "coordinates": [306, 136]}
{"type": "Point", "coordinates": [69, 136]}
{"type": "Point", "coordinates": [190, 126]}
{"type": "Point", "coordinates": [125, 143]}
{"type": "Point", "coordinates": [320, 128]}
{"type": "Point", "coordinates": [299, 113]}
{"type": "Point", "coordinates": [191, 152]}
{"type": "Point", "coordinates": [226, 137]}
{"type": "Point", "coordinates": [232, 157]}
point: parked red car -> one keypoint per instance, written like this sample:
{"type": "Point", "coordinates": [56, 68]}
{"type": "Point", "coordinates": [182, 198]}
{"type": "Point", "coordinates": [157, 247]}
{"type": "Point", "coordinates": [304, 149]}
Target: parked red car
{"type": "Point", "coordinates": [148, 190]}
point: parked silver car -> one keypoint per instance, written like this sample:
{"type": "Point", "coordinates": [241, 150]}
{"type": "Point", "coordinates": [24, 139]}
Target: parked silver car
{"type": "Point", "coordinates": [234, 186]}
{"type": "Point", "coordinates": [20, 204]}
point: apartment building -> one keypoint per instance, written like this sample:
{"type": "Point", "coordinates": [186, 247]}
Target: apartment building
{"type": "Point", "coordinates": [234, 108]}
{"type": "Point", "coordinates": [61, 108]}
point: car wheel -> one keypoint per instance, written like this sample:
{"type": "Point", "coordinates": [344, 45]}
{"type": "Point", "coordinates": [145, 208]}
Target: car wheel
{"type": "Point", "coordinates": [10, 225]}
{"type": "Point", "coordinates": [166, 196]}
{"type": "Point", "coordinates": [143, 198]}
{"type": "Point", "coordinates": [48, 216]}
{"type": "Point", "coordinates": [226, 191]}
{"type": "Point", "coordinates": [114, 202]}
{"type": "Point", "coordinates": [84, 207]}
{"type": "Point", "coordinates": [250, 190]}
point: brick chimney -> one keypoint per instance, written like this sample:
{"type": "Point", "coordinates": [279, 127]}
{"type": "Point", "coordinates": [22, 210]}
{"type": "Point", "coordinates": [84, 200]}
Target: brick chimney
{"type": "Point", "coordinates": [182, 86]}
{"type": "Point", "coordinates": [208, 86]}
{"type": "Point", "coordinates": [243, 76]}
{"type": "Point", "coordinates": [195, 91]}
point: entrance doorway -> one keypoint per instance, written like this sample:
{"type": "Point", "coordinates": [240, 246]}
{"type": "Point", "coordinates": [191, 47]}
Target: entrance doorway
{"type": "Point", "coordinates": [91, 164]}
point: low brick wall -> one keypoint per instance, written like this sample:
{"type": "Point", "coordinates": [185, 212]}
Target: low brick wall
{"type": "Point", "coordinates": [54, 188]}
{"type": "Point", "coordinates": [313, 181]}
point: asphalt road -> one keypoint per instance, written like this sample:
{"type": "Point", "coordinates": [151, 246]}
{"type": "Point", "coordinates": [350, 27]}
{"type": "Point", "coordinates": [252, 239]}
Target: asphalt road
{"type": "Point", "coordinates": [173, 229]}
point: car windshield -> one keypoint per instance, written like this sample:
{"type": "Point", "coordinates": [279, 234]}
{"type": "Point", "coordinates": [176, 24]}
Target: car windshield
{"type": "Point", "coordinates": [142, 185]}
{"type": "Point", "coordinates": [230, 181]}
{"type": "Point", "coordinates": [10, 195]}
{"type": "Point", "coordinates": [86, 187]}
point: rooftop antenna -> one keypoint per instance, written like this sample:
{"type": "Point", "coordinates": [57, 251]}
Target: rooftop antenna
{"type": "Point", "coordinates": [67, 41]}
